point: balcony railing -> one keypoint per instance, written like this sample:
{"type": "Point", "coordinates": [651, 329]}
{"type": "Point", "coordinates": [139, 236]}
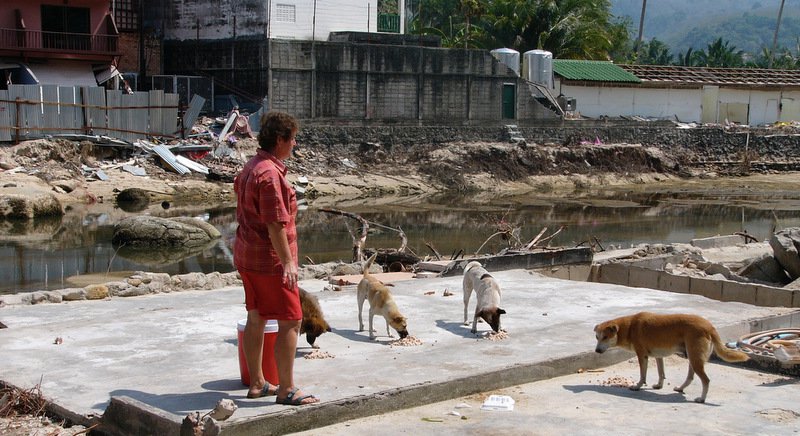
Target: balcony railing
{"type": "Point", "coordinates": [389, 23]}
{"type": "Point", "coordinates": [15, 39]}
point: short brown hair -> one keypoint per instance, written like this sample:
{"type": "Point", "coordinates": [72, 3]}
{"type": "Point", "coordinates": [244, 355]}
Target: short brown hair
{"type": "Point", "coordinates": [276, 125]}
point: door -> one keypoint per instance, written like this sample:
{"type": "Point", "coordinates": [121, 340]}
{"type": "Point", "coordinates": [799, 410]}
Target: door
{"type": "Point", "coordinates": [509, 101]}
{"type": "Point", "coordinates": [790, 109]}
{"type": "Point", "coordinates": [709, 108]}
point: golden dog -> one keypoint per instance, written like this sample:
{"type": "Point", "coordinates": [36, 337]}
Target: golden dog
{"type": "Point", "coordinates": [650, 334]}
{"type": "Point", "coordinates": [380, 302]}
{"type": "Point", "coordinates": [313, 324]}
{"type": "Point", "coordinates": [487, 292]}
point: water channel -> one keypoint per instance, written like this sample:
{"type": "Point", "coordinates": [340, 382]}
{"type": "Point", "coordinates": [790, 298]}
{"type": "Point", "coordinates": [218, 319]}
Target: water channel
{"type": "Point", "coordinates": [44, 254]}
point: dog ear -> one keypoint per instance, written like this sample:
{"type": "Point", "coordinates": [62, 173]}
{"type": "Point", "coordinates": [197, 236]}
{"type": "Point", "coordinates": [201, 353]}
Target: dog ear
{"type": "Point", "coordinates": [500, 311]}
{"type": "Point", "coordinates": [613, 329]}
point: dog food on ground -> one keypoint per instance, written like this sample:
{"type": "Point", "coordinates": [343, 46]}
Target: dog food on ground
{"type": "Point", "coordinates": [496, 336]}
{"type": "Point", "coordinates": [620, 382]}
{"type": "Point", "coordinates": [319, 354]}
{"type": "Point", "coordinates": [408, 341]}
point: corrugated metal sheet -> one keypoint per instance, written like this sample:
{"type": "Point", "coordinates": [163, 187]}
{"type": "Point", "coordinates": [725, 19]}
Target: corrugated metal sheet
{"type": "Point", "coordinates": [164, 153]}
{"type": "Point", "coordinates": [597, 71]}
{"type": "Point", "coordinates": [59, 110]}
{"type": "Point", "coordinates": [195, 106]}
{"type": "Point", "coordinates": [5, 117]}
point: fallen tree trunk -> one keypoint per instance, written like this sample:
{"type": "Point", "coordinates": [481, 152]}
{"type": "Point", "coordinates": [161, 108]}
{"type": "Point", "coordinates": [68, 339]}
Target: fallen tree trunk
{"type": "Point", "coordinates": [358, 243]}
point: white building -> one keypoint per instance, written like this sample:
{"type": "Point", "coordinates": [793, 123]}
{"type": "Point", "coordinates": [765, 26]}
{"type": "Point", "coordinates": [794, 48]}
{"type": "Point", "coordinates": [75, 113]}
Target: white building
{"type": "Point", "coordinates": [686, 94]}
{"type": "Point", "coordinates": [279, 19]}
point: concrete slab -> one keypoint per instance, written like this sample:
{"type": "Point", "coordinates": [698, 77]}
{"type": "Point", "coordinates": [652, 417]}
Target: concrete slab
{"type": "Point", "coordinates": [740, 402]}
{"type": "Point", "coordinates": [154, 359]}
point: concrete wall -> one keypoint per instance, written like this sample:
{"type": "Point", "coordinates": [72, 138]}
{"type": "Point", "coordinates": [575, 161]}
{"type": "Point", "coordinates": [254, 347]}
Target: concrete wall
{"type": "Point", "coordinates": [362, 83]}
{"type": "Point", "coordinates": [723, 290]}
{"type": "Point", "coordinates": [745, 106]}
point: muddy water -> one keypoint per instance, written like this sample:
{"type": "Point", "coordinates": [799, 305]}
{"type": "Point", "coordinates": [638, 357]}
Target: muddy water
{"type": "Point", "coordinates": [48, 254]}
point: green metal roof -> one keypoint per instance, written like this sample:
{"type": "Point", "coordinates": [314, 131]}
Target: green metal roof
{"type": "Point", "coordinates": [598, 71]}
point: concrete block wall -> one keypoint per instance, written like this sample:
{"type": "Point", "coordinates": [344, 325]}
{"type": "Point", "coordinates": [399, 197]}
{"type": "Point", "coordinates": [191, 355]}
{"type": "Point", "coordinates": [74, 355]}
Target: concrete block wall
{"type": "Point", "coordinates": [486, 97]}
{"type": "Point", "coordinates": [722, 290]}
{"type": "Point", "coordinates": [393, 96]}
{"type": "Point", "coordinates": [360, 82]}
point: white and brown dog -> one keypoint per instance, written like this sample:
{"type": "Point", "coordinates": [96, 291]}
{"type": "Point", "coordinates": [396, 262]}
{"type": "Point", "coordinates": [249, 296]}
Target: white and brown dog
{"type": "Point", "coordinates": [380, 302]}
{"type": "Point", "coordinates": [487, 292]}
{"type": "Point", "coordinates": [649, 334]}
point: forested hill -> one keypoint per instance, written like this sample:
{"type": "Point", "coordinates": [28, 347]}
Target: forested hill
{"type": "Point", "coordinates": [748, 25]}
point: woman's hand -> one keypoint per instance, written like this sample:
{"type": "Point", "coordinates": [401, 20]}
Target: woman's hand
{"type": "Point", "coordinates": [290, 274]}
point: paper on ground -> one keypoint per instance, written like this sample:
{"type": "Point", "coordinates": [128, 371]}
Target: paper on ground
{"type": "Point", "coordinates": [498, 402]}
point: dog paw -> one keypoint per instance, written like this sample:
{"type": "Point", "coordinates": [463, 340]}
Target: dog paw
{"type": "Point", "coordinates": [658, 386]}
{"type": "Point", "coordinates": [699, 400]}
{"type": "Point", "coordinates": [635, 387]}
{"type": "Point", "coordinates": [678, 390]}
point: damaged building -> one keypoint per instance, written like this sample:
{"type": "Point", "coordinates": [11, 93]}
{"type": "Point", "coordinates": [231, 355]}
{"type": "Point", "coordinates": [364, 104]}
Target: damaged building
{"type": "Point", "coordinates": [57, 43]}
{"type": "Point", "coordinates": [349, 61]}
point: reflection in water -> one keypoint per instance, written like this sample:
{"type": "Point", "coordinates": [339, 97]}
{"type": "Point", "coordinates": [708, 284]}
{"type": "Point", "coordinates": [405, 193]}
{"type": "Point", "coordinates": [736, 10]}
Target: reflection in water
{"type": "Point", "coordinates": [40, 254]}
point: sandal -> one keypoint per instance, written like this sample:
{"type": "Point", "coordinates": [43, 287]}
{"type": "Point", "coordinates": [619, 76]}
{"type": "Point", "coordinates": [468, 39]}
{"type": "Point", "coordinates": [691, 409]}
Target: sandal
{"type": "Point", "coordinates": [265, 392]}
{"type": "Point", "coordinates": [290, 400]}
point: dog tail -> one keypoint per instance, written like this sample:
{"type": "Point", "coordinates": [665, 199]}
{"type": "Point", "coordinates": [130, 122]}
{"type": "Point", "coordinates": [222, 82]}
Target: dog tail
{"type": "Point", "coordinates": [726, 353]}
{"type": "Point", "coordinates": [369, 262]}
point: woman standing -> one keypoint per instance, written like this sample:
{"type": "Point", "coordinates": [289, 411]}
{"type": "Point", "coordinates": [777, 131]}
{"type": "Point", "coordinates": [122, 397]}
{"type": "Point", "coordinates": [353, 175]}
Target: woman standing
{"type": "Point", "coordinates": [265, 254]}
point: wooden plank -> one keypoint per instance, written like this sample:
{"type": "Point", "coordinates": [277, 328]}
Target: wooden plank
{"type": "Point", "coordinates": [114, 101]}
{"type": "Point", "coordinates": [6, 110]}
{"type": "Point", "coordinates": [66, 110]}
{"type": "Point", "coordinates": [170, 116]}
{"type": "Point", "coordinates": [524, 260]}
{"type": "Point", "coordinates": [50, 120]}
{"type": "Point", "coordinates": [156, 100]}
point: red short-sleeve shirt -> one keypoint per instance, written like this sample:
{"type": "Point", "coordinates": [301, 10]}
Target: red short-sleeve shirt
{"type": "Point", "coordinates": [263, 195]}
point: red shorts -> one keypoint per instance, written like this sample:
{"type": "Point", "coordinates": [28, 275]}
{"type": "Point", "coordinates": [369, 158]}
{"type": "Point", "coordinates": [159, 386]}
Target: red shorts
{"type": "Point", "coordinates": [272, 298]}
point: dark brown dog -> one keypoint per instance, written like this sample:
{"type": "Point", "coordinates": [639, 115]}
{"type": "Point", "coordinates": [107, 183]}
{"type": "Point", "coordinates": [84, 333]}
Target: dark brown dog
{"type": "Point", "coordinates": [314, 324]}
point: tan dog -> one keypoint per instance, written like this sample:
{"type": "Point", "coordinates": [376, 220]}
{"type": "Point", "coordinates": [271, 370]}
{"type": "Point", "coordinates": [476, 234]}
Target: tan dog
{"type": "Point", "coordinates": [314, 324]}
{"type": "Point", "coordinates": [380, 302]}
{"type": "Point", "coordinates": [487, 292]}
{"type": "Point", "coordinates": [650, 334]}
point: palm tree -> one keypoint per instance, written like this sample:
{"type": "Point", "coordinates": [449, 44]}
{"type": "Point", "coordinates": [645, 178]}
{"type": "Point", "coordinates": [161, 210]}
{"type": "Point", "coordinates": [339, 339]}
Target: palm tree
{"type": "Point", "coordinates": [775, 37]}
{"type": "Point", "coordinates": [470, 8]}
{"type": "Point", "coordinates": [688, 59]}
{"type": "Point", "coordinates": [581, 29]}
{"type": "Point", "coordinates": [720, 54]}
{"type": "Point", "coordinates": [641, 28]}
{"type": "Point", "coordinates": [654, 52]}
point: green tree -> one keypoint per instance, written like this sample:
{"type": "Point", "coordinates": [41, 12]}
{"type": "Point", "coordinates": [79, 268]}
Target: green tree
{"type": "Point", "coordinates": [688, 59]}
{"type": "Point", "coordinates": [783, 59]}
{"type": "Point", "coordinates": [720, 54]}
{"type": "Point", "coordinates": [469, 9]}
{"type": "Point", "coordinates": [451, 21]}
{"type": "Point", "coordinates": [654, 52]}
{"type": "Point", "coordinates": [576, 29]}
